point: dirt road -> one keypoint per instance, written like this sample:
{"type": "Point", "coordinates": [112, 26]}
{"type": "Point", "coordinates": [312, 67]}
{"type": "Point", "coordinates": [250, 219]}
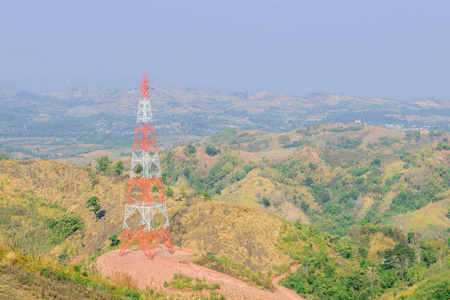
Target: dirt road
{"type": "Point", "coordinates": [164, 265]}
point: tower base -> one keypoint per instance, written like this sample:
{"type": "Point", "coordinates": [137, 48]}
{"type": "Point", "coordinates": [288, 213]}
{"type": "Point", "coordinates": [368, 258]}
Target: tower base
{"type": "Point", "coordinates": [148, 241]}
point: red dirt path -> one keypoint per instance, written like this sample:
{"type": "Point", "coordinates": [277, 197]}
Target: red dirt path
{"type": "Point", "coordinates": [164, 265]}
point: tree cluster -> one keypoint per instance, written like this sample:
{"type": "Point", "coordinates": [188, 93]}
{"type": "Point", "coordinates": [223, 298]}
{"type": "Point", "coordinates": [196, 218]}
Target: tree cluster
{"type": "Point", "coordinates": [105, 165]}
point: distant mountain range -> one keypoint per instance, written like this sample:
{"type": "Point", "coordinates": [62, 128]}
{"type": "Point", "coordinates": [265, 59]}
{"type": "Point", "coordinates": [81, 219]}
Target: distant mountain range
{"type": "Point", "coordinates": [183, 112]}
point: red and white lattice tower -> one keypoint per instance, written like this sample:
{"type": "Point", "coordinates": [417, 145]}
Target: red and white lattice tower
{"type": "Point", "coordinates": [146, 220]}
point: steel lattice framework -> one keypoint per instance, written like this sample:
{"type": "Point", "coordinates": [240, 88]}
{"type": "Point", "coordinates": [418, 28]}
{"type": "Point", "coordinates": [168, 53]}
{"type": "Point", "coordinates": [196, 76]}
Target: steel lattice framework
{"type": "Point", "coordinates": [146, 220]}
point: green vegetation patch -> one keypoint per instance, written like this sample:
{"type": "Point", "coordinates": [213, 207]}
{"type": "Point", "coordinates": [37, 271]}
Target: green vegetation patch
{"type": "Point", "coordinates": [23, 276]}
{"type": "Point", "coordinates": [63, 227]}
{"type": "Point", "coordinates": [226, 266]}
{"type": "Point", "coordinates": [185, 283]}
{"type": "Point", "coordinates": [334, 267]}
{"type": "Point", "coordinates": [26, 224]}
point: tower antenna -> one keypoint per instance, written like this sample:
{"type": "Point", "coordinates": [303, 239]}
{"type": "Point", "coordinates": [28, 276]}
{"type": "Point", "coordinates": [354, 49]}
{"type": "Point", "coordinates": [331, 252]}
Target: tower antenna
{"type": "Point", "coordinates": [146, 220]}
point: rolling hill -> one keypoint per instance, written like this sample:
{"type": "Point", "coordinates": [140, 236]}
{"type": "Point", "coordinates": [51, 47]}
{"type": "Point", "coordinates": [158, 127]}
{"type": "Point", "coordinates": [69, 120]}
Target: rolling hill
{"type": "Point", "coordinates": [341, 202]}
{"type": "Point", "coordinates": [70, 123]}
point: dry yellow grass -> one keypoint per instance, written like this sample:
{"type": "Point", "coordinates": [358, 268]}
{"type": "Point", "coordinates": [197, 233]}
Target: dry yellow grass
{"type": "Point", "coordinates": [308, 154]}
{"type": "Point", "coordinates": [431, 219]}
{"type": "Point", "coordinates": [247, 157]}
{"type": "Point", "coordinates": [394, 168]}
{"type": "Point", "coordinates": [226, 229]}
{"type": "Point", "coordinates": [386, 202]}
{"type": "Point", "coordinates": [277, 154]}
{"type": "Point", "coordinates": [371, 134]}
{"type": "Point", "coordinates": [124, 280]}
{"type": "Point", "coordinates": [367, 204]}
{"type": "Point", "coordinates": [12, 258]}
{"type": "Point", "coordinates": [250, 191]}
{"type": "Point", "coordinates": [67, 186]}
{"type": "Point", "coordinates": [379, 243]}
{"type": "Point", "coordinates": [243, 234]}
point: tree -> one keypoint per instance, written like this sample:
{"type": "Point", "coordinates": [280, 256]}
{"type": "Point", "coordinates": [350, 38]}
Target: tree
{"type": "Point", "coordinates": [413, 135]}
{"type": "Point", "coordinates": [399, 257]}
{"type": "Point", "coordinates": [94, 202]}
{"type": "Point", "coordinates": [205, 195]}
{"type": "Point", "coordinates": [313, 166]}
{"type": "Point", "coordinates": [168, 191]}
{"type": "Point", "coordinates": [211, 150]}
{"type": "Point", "coordinates": [265, 202]}
{"type": "Point", "coordinates": [442, 291]}
{"type": "Point", "coordinates": [284, 140]}
{"type": "Point", "coordinates": [103, 164]}
{"type": "Point", "coordinates": [411, 237]}
{"type": "Point", "coordinates": [138, 169]}
{"type": "Point", "coordinates": [309, 181]}
{"type": "Point", "coordinates": [118, 168]}
{"type": "Point", "coordinates": [376, 162]}
{"type": "Point", "coordinates": [93, 179]}
{"type": "Point", "coordinates": [114, 240]}
{"type": "Point", "coordinates": [373, 277]}
{"type": "Point", "coordinates": [189, 150]}
{"type": "Point", "coordinates": [439, 249]}
{"type": "Point", "coordinates": [5, 156]}
{"type": "Point", "coordinates": [179, 241]}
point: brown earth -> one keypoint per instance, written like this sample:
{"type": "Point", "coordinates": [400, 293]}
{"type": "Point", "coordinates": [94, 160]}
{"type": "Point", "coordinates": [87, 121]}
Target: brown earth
{"type": "Point", "coordinates": [164, 265]}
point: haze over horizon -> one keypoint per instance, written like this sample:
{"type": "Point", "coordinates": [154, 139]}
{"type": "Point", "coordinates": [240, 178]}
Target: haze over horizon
{"type": "Point", "coordinates": [380, 49]}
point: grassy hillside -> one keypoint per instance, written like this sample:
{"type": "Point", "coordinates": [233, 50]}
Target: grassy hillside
{"type": "Point", "coordinates": [334, 175]}
{"type": "Point", "coordinates": [232, 231]}
{"type": "Point", "coordinates": [361, 208]}
{"type": "Point", "coordinates": [34, 192]}
{"type": "Point", "coordinates": [29, 277]}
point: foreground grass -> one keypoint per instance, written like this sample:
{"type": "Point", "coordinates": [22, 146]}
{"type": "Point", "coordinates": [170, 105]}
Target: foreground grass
{"type": "Point", "coordinates": [232, 269]}
{"type": "Point", "coordinates": [26, 277]}
{"type": "Point", "coordinates": [186, 283]}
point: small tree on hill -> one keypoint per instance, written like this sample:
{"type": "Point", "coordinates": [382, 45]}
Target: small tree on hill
{"type": "Point", "coordinates": [103, 164]}
{"type": "Point", "coordinates": [7, 156]}
{"type": "Point", "coordinates": [189, 150]}
{"type": "Point", "coordinates": [118, 168]}
{"type": "Point", "coordinates": [205, 195]}
{"type": "Point", "coordinates": [376, 162]}
{"type": "Point", "coordinates": [284, 140]}
{"type": "Point", "coordinates": [114, 240]}
{"type": "Point", "coordinates": [138, 169]}
{"type": "Point", "coordinates": [265, 202]}
{"type": "Point", "coordinates": [94, 202]}
{"type": "Point", "coordinates": [168, 191]}
{"type": "Point", "coordinates": [211, 150]}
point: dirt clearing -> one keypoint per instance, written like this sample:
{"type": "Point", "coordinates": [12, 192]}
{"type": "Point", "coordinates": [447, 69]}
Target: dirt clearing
{"type": "Point", "coordinates": [164, 265]}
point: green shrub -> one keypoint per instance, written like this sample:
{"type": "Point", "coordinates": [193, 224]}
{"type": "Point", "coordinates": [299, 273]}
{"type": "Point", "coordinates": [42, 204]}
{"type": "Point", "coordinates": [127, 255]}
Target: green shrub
{"type": "Point", "coordinates": [211, 150]}
{"type": "Point", "coordinates": [226, 266]}
{"type": "Point", "coordinates": [114, 240]}
{"type": "Point", "coordinates": [63, 227]}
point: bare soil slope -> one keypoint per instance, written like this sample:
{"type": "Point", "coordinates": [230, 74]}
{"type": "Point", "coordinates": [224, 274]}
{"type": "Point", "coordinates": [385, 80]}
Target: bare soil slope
{"type": "Point", "coordinates": [165, 265]}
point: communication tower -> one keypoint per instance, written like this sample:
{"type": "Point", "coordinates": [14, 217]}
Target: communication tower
{"type": "Point", "coordinates": [146, 220]}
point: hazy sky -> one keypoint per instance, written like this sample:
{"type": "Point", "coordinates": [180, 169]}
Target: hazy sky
{"type": "Point", "coordinates": [397, 49]}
